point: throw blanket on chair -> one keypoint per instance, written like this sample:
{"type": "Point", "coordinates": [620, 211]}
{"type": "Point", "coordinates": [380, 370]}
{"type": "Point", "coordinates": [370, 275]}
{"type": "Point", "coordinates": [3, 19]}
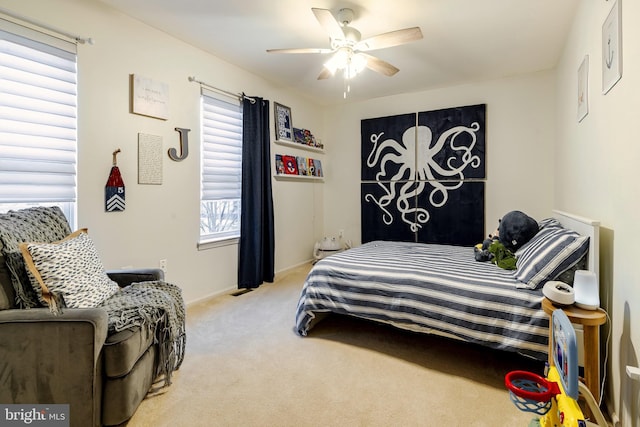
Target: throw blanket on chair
{"type": "Point", "coordinates": [153, 304]}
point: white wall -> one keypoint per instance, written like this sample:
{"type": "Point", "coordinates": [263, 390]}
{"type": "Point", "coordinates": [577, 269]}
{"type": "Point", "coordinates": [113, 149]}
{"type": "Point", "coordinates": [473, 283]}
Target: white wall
{"type": "Point", "coordinates": [531, 126]}
{"type": "Point", "coordinates": [520, 125]}
{"type": "Point", "coordinates": [162, 221]}
{"type": "Point", "coordinates": [596, 176]}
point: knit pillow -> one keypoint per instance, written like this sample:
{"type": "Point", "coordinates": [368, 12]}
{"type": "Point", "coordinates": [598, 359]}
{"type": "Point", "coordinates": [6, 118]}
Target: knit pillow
{"type": "Point", "coordinates": [68, 272]}
{"type": "Point", "coordinates": [38, 224]}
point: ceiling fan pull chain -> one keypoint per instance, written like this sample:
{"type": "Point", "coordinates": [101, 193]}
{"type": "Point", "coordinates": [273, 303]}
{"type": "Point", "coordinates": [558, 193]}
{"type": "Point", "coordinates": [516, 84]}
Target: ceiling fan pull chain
{"type": "Point", "coordinates": [344, 90]}
{"type": "Point", "coordinates": [347, 83]}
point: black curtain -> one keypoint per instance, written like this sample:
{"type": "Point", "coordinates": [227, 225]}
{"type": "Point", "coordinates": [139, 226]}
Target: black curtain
{"type": "Point", "coordinates": [257, 247]}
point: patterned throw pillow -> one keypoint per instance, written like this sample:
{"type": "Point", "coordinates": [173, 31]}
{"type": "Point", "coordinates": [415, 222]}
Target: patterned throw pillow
{"type": "Point", "coordinates": [69, 270]}
{"type": "Point", "coordinates": [38, 224]}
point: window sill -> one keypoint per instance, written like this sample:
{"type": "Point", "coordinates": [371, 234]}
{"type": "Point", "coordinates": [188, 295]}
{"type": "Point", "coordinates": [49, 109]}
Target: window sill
{"type": "Point", "coordinates": [210, 244]}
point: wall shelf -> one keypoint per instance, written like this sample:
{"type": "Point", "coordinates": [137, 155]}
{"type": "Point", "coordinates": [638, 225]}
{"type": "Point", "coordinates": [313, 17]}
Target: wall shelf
{"type": "Point", "coordinates": [298, 145]}
{"type": "Point", "coordinates": [299, 168]}
{"type": "Point", "coordinates": [291, 177]}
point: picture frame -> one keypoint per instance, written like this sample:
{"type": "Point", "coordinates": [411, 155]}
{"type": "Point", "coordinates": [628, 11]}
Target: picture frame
{"type": "Point", "coordinates": [149, 159]}
{"type": "Point", "coordinates": [611, 48]}
{"type": "Point", "coordinates": [283, 123]}
{"type": "Point", "coordinates": [149, 97]}
{"type": "Point", "coordinates": [583, 89]}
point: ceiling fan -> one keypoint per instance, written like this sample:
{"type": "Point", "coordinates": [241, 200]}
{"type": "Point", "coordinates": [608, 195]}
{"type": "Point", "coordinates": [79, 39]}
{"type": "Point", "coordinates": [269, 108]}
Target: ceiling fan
{"type": "Point", "coordinates": [349, 50]}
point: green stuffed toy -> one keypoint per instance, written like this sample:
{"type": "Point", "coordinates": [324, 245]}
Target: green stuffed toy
{"type": "Point", "coordinates": [493, 249]}
{"type": "Point", "coordinates": [502, 257]}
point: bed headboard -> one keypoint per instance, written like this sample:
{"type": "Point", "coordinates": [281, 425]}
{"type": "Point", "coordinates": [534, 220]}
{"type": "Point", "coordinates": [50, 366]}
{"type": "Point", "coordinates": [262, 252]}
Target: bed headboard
{"type": "Point", "coordinates": [586, 227]}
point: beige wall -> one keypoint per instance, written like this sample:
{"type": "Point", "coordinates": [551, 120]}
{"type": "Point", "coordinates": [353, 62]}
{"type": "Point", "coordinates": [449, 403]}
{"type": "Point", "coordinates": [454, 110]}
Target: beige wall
{"type": "Point", "coordinates": [538, 157]}
{"type": "Point", "coordinates": [596, 176]}
{"type": "Point", "coordinates": [161, 221]}
{"type": "Point", "coordinates": [520, 125]}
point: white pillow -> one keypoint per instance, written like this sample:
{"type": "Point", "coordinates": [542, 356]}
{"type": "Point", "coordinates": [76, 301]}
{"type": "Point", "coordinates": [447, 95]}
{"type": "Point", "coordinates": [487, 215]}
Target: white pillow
{"type": "Point", "coordinates": [70, 269]}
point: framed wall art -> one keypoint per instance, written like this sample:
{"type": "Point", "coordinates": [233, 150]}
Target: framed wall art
{"type": "Point", "coordinates": [149, 97]}
{"type": "Point", "coordinates": [149, 159]}
{"type": "Point", "coordinates": [422, 176]}
{"type": "Point", "coordinates": [611, 48]}
{"type": "Point", "coordinates": [583, 89]}
{"type": "Point", "coordinates": [284, 127]}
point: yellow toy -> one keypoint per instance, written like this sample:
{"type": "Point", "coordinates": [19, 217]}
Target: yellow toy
{"type": "Point", "coordinates": [555, 398]}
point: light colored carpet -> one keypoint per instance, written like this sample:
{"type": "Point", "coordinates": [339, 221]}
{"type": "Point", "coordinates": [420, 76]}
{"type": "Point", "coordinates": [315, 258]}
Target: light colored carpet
{"type": "Point", "coordinates": [245, 366]}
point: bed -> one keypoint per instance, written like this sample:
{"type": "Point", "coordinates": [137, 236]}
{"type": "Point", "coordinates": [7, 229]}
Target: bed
{"type": "Point", "coordinates": [441, 289]}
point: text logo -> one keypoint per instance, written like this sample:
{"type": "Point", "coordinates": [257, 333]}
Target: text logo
{"type": "Point", "coordinates": [54, 415]}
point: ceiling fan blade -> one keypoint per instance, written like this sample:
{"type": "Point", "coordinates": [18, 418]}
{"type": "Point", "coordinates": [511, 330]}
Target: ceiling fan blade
{"type": "Point", "coordinates": [392, 38]}
{"type": "Point", "coordinates": [324, 74]}
{"type": "Point", "coordinates": [377, 64]}
{"type": "Point", "coordinates": [328, 22]}
{"type": "Point", "coordinates": [301, 50]}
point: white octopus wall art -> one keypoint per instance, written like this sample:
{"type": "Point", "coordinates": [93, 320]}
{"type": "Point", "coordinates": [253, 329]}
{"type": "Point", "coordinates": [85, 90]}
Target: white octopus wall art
{"type": "Point", "coordinates": [422, 160]}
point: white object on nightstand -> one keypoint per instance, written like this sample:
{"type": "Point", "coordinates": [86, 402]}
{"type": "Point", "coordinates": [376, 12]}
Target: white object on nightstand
{"type": "Point", "coordinates": [585, 286]}
{"type": "Point", "coordinates": [558, 292]}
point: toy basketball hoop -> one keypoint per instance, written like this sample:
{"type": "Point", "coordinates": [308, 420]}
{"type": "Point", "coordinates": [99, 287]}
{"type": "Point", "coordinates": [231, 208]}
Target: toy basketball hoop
{"type": "Point", "coordinates": [554, 398]}
{"type": "Point", "coordinates": [530, 392]}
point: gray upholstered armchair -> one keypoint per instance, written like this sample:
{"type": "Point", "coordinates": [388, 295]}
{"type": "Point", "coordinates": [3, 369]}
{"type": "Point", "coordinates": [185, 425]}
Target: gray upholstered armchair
{"type": "Point", "coordinates": [74, 357]}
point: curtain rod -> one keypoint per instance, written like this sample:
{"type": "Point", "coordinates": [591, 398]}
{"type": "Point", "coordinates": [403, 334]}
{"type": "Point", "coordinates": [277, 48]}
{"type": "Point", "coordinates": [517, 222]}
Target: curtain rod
{"type": "Point", "coordinates": [77, 39]}
{"type": "Point", "coordinates": [239, 96]}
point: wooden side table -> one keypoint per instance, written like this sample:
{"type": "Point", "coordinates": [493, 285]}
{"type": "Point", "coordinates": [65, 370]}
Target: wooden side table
{"type": "Point", "coordinates": [590, 321]}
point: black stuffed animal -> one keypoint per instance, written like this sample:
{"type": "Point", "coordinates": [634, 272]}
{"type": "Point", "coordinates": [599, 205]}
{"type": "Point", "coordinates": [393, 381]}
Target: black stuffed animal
{"type": "Point", "coordinates": [515, 229]}
{"type": "Point", "coordinates": [481, 250]}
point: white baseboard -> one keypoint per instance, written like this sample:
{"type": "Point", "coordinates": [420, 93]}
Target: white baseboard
{"type": "Point", "coordinates": [234, 288]}
{"type": "Point", "coordinates": [293, 267]}
{"type": "Point", "coordinates": [211, 296]}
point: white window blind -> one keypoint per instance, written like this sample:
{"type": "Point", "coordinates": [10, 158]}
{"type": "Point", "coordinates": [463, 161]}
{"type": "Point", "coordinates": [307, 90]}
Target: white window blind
{"type": "Point", "coordinates": [38, 135]}
{"type": "Point", "coordinates": [221, 168]}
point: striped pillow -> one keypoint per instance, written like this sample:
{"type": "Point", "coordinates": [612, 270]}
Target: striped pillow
{"type": "Point", "coordinates": [548, 223]}
{"type": "Point", "coordinates": [550, 253]}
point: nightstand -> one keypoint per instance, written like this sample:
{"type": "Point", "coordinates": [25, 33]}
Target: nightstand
{"type": "Point", "coordinates": [590, 321]}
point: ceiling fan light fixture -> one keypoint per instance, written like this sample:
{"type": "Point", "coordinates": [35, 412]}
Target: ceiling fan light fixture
{"type": "Point", "coordinates": [355, 65]}
{"type": "Point", "coordinates": [331, 66]}
{"type": "Point", "coordinates": [349, 50]}
{"type": "Point", "coordinates": [338, 61]}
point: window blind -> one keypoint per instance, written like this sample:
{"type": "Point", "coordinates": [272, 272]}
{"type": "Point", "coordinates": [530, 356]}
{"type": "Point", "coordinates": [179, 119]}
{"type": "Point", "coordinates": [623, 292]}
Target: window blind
{"type": "Point", "coordinates": [38, 123]}
{"type": "Point", "coordinates": [222, 149]}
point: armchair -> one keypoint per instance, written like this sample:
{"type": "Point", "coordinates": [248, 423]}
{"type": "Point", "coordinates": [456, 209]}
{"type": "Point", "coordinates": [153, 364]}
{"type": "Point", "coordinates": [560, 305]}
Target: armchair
{"type": "Point", "coordinates": [74, 357]}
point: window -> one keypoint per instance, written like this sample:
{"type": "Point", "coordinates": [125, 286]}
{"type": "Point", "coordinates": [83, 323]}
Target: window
{"type": "Point", "coordinates": [38, 135]}
{"type": "Point", "coordinates": [221, 169]}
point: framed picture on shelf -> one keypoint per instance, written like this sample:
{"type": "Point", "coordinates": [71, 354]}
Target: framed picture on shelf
{"type": "Point", "coordinates": [311, 167]}
{"type": "Point", "coordinates": [318, 165]}
{"type": "Point", "coordinates": [611, 48]}
{"type": "Point", "coordinates": [302, 165]}
{"type": "Point", "coordinates": [304, 136]}
{"type": "Point", "coordinates": [279, 164]}
{"type": "Point", "coordinates": [284, 127]}
{"type": "Point", "coordinates": [290, 165]}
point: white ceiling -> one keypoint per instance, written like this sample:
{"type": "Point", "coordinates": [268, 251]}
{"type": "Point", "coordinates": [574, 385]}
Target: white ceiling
{"type": "Point", "coordinates": [464, 40]}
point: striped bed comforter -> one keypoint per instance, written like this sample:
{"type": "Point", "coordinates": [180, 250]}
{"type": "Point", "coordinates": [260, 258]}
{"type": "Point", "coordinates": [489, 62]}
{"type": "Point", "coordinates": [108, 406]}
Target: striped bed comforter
{"type": "Point", "coordinates": [427, 288]}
